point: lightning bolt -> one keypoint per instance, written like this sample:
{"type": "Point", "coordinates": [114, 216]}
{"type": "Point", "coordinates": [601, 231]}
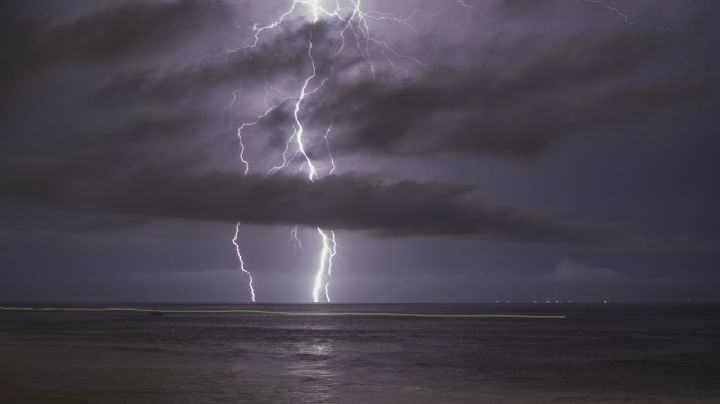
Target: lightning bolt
{"type": "Point", "coordinates": [246, 169]}
{"type": "Point", "coordinates": [322, 276]}
{"type": "Point", "coordinates": [296, 237]}
{"type": "Point", "coordinates": [330, 249]}
{"type": "Point", "coordinates": [625, 16]}
{"type": "Point", "coordinates": [632, 21]}
{"type": "Point", "coordinates": [242, 263]}
{"type": "Point", "coordinates": [350, 19]}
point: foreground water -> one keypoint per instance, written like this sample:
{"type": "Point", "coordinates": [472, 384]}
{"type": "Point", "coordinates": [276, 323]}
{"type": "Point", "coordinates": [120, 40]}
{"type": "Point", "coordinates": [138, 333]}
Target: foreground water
{"type": "Point", "coordinates": [358, 354]}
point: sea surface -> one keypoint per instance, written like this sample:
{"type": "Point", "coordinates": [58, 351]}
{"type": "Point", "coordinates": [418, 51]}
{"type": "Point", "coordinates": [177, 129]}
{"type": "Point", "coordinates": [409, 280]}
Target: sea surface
{"type": "Point", "coordinates": [338, 353]}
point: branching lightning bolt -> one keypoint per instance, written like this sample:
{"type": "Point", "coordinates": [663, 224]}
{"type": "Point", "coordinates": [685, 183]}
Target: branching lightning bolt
{"type": "Point", "coordinates": [246, 169]}
{"type": "Point", "coordinates": [351, 19]}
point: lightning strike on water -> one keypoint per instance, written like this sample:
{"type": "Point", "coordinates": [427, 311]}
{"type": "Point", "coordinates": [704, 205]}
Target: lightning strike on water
{"type": "Point", "coordinates": [242, 263]}
{"type": "Point", "coordinates": [324, 270]}
{"type": "Point", "coordinates": [246, 169]}
{"type": "Point", "coordinates": [329, 248]}
{"type": "Point", "coordinates": [351, 19]}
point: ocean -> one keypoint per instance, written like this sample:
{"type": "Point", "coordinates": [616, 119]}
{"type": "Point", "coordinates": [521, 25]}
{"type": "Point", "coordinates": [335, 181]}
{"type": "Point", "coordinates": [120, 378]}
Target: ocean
{"type": "Point", "coordinates": [363, 353]}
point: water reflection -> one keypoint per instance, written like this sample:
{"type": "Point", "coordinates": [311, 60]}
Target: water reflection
{"type": "Point", "coordinates": [314, 372]}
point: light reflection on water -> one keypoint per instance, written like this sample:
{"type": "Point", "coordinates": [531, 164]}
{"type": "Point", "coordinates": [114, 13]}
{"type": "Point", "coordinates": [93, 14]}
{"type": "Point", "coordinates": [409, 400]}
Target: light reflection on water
{"type": "Point", "coordinates": [315, 372]}
{"type": "Point", "coordinates": [212, 358]}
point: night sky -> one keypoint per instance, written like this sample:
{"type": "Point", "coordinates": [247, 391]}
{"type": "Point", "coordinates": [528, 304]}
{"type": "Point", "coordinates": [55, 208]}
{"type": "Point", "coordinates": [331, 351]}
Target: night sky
{"type": "Point", "coordinates": [484, 150]}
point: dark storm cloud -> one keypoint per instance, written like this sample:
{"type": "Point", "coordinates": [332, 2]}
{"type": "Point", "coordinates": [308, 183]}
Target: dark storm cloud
{"type": "Point", "coordinates": [572, 87]}
{"type": "Point", "coordinates": [403, 208]}
{"type": "Point", "coordinates": [118, 150]}
{"type": "Point", "coordinates": [285, 55]}
{"type": "Point", "coordinates": [112, 148]}
{"type": "Point", "coordinates": [516, 95]}
{"type": "Point", "coordinates": [519, 107]}
{"type": "Point", "coordinates": [122, 30]}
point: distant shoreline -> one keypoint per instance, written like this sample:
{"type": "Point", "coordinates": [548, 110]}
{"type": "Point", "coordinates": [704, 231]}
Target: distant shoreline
{"type": "Point", "coordinates": [277, 313]}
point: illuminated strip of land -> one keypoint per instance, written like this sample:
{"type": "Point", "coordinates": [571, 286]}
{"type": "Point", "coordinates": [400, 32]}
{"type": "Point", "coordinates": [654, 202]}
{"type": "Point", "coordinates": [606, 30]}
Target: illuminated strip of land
{"type": "Point", "coordinates": [279, 313]}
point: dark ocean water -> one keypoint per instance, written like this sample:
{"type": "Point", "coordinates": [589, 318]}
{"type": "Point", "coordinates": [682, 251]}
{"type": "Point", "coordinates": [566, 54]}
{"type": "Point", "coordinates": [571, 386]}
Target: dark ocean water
{"type": "Point", "coordinates": [597, 353]}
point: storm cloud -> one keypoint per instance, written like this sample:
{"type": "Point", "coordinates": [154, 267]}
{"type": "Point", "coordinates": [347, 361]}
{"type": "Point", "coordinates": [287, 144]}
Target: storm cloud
{"type": "Point", "coordinates": [505, 135]}
{"type": "Point", "coordinates": [124, 30]}
{"type": "Point", "coordinates": [344, 202]}
{"type": "Point", "coordinates": [528, 92]}
{"type": "Point", "coordinates": [126, 167]}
